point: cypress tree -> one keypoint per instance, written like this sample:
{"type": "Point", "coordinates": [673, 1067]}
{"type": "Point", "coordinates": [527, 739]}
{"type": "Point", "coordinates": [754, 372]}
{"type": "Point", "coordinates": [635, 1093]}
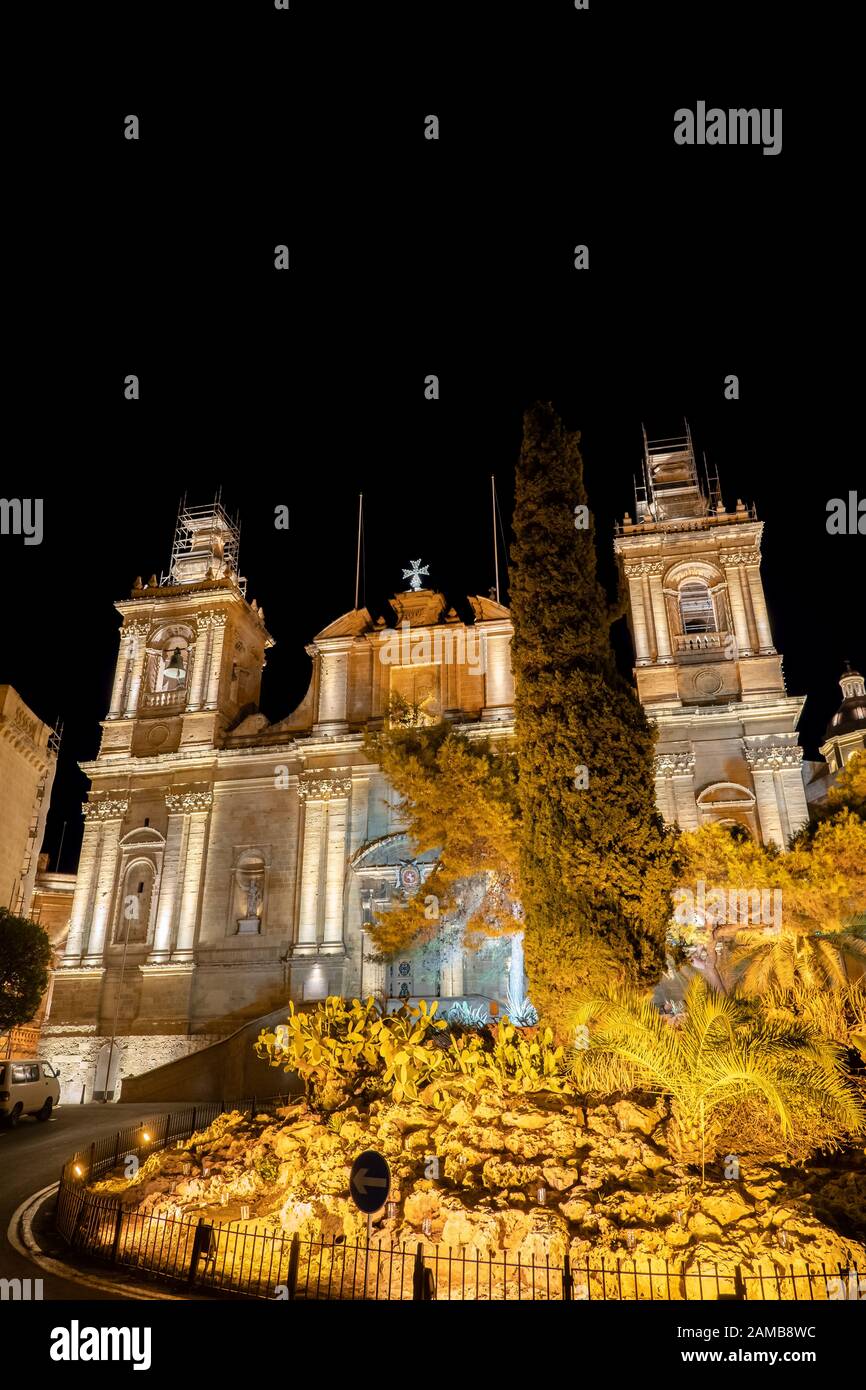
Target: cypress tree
{"type": "Point", "coordinates": [596, 866]}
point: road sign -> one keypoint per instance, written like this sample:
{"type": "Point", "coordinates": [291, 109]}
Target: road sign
{"type": "Point", "coordinates": [370, 1181]}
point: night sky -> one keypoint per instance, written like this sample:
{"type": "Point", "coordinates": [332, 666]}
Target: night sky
{"type": "Point", "coordinates": [411, 257]}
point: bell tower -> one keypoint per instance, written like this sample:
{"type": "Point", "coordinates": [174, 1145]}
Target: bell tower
{"type": "Point", "coordinates": [192, 648]}
{"type": "Point", "coordinates": [706, 667]}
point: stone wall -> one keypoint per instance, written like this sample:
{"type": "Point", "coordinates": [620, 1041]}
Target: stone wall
{"type": "Point", "coordinates": [74, 1054]}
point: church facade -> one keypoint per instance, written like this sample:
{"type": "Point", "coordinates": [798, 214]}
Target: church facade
{"type": "Point", "coordinates": [229, 863]}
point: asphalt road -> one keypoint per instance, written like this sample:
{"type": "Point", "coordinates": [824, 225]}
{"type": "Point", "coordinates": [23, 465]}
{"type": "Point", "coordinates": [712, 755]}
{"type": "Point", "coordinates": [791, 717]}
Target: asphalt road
{"type": "Point", "coordinates": [31, 1157]}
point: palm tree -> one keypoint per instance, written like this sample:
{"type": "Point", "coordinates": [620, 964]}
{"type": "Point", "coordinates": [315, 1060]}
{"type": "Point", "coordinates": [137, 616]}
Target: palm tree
{"type": "Point", "coordinates": [778, 958]}
{"type": "Point", "coordinates": [719, 1051]}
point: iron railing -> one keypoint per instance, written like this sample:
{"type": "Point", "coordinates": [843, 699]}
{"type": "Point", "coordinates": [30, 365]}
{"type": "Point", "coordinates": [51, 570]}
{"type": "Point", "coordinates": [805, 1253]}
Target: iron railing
{"type": "Point", "coordinates": [253, 1259]}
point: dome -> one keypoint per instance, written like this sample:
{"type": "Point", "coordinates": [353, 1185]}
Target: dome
{"type": "Point", "coordinates": [851, 714]}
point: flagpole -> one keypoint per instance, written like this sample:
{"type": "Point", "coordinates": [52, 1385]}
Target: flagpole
{"type": "Point", "coordinates": [495, 545]}
{"type": "Point", "coordinates": [358, 559]}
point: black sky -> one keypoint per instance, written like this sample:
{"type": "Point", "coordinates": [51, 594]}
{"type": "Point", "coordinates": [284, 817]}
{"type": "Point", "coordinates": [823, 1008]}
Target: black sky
{"type": "Point", "coordinates": [411, 257]}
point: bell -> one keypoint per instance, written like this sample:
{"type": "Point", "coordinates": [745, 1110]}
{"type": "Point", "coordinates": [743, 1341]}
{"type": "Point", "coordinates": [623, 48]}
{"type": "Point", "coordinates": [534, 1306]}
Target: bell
{"type": "Point", "coordinates": [174, 670]}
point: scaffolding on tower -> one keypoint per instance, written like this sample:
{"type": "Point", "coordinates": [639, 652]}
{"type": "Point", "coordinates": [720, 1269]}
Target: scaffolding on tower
{"type": "Point", "coordinates": [207, 531]}
{"type": "Point", "coordinates": [671, 486]}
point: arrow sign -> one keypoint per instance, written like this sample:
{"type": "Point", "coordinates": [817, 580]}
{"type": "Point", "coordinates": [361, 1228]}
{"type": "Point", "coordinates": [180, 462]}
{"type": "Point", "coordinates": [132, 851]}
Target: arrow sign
{"type": "Point", "coordinates": [370, 1181]}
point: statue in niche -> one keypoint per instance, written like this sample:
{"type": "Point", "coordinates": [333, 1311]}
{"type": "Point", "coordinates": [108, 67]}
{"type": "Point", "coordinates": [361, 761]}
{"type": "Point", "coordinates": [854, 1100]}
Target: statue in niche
{"type": "Point", "coordinates": [251, 898]}
{"type": "Point", "coordinates": [254, 897]}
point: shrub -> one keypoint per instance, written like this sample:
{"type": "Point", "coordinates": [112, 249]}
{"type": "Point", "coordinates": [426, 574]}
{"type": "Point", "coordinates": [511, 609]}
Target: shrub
{"type": "Point", "coordinates": [343, 1052]}
{"type": "Point", "coordinates": [468, 1016]}
{"type": "Point", "coordinates": [520, 1012]}
{"type": "Point", "coordinates": [721, 1053]}
{"type": "Point", "coordinates": [346, 1053]}
{"type": "Point", "coordinates": [267, 1166]}
{"type": "Point", "coordinates": [509, 1062]}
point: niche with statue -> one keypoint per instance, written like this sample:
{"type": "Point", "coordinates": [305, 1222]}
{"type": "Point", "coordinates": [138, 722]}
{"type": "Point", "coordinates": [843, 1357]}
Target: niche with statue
{"type": "Point", "coordinates": [248, 894]}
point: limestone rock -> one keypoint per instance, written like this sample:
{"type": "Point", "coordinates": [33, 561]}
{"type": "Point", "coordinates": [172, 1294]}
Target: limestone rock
{"type": "Point", "coordinates": [526, 1119]}
{"type": "Point", "coordinates": [702, 1225]}
{"type": "Point", "coordinates": [726, 1209]}
{"type": "Point", "coordinates": [559, 1177]}
{"type": "Point", "coordinates": [630, 1116]}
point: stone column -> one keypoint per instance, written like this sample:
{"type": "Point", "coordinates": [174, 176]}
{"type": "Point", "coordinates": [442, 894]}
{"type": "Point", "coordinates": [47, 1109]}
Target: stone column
{"type": "Point", "coordinates": [678, 768]}
{"type": "Point", "coordinates": [335, 869]}
{"type": "Point", "coordinates": [768, 807]}
{"type": "Point", "coordinates": [516, 970]}
{"type": "Point", "coordinates": [138, 632]}
{"type": "Point", "coordinates": [215, 653]}
{"type": "Point", "coordinates": [333, 685]}
{"type": "Point", "coordinates": [381, 679]}
{"type": "Point", "coordinates": [124, 657]}
{"type": "Point", "coordinates": [660, 615]}
{"type": "Point", "coordinates": [168, 890]}
{"type": "Point", "coordinates": [665, 798]}
{"type": "Point", "coordinates": [638, 615]}
{"type": "Point", "coordinates": [793, 795]}
{"type": "Point", "coordinates": [451, 984]}
{"type": "Point", "coordinates": [360, 810]}
{"type": "Point", "coordinates": [197, 807]}
{"type": "Point", "coordinates": [774, 760]}
{"type": "Point", "coordinates": [311, 853]}
{"type": "Point", "coordinates": [759, 608]}
{"type": "Point", "coordinates": [82, 903]}
{"type": "Point", "coordinates": [684, 800]}
{"type": "Point", "coordinates": [494, 642]}
{"type": "Point", "coordinates": [372, 971]}
{"type": "Point", "coordinates": [733, 574]}
{"type": "Point", "coordinates": [200, 663]}
{"type": "Point", "coordinates": [106, 874]}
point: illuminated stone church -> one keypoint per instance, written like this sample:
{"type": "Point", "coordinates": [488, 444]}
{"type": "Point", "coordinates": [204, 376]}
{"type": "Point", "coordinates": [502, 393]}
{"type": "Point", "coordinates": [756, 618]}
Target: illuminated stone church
{"type": "Point", "coordinates": [229, 863]}
{"type": "Point", "coordinates": [708, 673]}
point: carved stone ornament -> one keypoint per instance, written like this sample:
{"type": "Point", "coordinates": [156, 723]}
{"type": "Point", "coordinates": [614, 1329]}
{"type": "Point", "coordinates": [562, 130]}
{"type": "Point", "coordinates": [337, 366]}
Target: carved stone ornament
{"type": "Point", "coordinates": [105, 808]}
{"type": "Point", "coordinates": [189, 801]}
{"type": "Point", "coordinates": [740, 557]}
{"type": "Point", "coordinates": [771, 753]}
{"type": "Point", "coordinates": [636, 568]}
{"type": "Point", "coordinates": [323, 788]}
{"type": "Point", "coordinates": [205, 621]}
{"type": "Point", "coordinates": [680, 764]}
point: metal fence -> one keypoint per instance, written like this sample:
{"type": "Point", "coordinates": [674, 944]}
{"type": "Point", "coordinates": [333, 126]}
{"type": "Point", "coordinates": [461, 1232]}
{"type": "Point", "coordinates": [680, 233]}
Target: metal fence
{"type": "Point", "coordinates": [251, 1260]}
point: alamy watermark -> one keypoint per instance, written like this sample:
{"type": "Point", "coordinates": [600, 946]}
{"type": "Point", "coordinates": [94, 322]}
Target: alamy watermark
{"type": "Point", "coordinates": [732, 127]}
{"type": "Point", "coordinates": [22, 516]}
{"type": "Point", "coordinates": [758, 906]}
{"type": "Point", "coordinates": [458, 646]}
{"type": "Point", "coordinates": [846, 517]}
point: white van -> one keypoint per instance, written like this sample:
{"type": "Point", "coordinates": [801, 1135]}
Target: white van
{"type": "Point", "coordinates": [27, 1088]}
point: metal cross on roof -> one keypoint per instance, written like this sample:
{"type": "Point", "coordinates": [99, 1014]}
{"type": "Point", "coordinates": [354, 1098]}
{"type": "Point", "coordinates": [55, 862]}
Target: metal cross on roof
{"type": "Point", "coordinates": [414, 574]}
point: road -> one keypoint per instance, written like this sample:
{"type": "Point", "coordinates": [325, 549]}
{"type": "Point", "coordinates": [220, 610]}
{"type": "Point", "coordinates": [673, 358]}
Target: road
{"type": "Point", "coordinates": [31, 1157]}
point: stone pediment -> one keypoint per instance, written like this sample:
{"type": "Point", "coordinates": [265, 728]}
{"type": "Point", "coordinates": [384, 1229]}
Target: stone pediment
{"type": "Point", "coordinates": [351, 624]}
{"type": "Point", "coordinates": [487, 609]}
{"type": "Point", "coordinates": [418, 607]}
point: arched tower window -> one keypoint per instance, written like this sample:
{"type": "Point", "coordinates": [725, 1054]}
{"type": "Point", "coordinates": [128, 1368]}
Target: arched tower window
{"type": "Point", "coordinates": [173, 664]}
{"type": "Point", "coordinates": [696, 607]}
{"type": "Point", "coordinates": [135, 902]}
